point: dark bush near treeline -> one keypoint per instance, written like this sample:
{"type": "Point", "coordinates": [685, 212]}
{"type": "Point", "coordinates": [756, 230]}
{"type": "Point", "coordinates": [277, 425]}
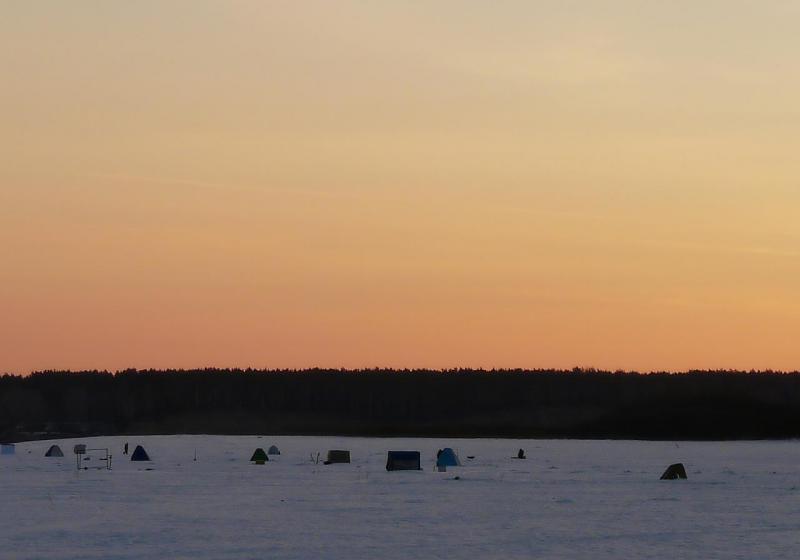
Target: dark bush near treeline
{"type": "Point", "coordinates": [454, 403]}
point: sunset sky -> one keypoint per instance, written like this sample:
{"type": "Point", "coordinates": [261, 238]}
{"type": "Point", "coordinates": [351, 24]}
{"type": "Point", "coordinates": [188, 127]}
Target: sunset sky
{"type": "Point", "coordinates": [399, 183]}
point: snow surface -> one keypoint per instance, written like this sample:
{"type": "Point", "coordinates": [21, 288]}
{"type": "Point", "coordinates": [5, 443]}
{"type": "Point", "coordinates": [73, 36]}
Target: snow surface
{"type": "Point", "coordinates": [569, 499]}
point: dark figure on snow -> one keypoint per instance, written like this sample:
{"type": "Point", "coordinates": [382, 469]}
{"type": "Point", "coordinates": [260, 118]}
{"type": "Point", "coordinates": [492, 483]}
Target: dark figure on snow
{"type": "Point", "coordinates": [521, 454]}
{"type": "Point", "coordinates": [126, 448]}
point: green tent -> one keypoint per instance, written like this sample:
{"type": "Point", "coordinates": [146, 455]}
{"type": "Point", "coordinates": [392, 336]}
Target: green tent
{"type": "Point", "coordinates": [259, 456]}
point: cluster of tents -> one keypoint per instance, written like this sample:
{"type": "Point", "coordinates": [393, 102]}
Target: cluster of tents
{"type": "Point", "coordinates": [410, 460]}
{"type": "Point", "coordinates": [139, 454]}
{"type": "Point", "coordinates": [334, 456]}
{"type": "Point", "coordinates": [395, 460]}
{"type": "Point", "coordinates": [260, 457]}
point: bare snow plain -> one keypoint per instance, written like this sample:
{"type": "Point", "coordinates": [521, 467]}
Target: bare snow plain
{"type": "Point", "coordinates": [570, 499]}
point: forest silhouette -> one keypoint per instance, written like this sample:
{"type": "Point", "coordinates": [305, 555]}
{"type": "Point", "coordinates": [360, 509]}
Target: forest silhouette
{"type": "Point", "coordinates": [576, 403]}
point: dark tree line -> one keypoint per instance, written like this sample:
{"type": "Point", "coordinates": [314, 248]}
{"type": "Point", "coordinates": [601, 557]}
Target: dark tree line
{"type": "Point", "coordinates": [502, 403]}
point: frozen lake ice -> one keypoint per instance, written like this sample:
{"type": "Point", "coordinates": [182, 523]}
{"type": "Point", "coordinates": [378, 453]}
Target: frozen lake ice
{"type": "Point", "coordinates": [570, 499]}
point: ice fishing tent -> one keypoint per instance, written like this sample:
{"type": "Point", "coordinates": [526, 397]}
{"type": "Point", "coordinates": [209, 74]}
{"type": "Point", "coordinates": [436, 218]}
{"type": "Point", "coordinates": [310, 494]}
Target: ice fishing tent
{"type": "Point", "coordinates": [139, 454]}
{"type": "Point", "coordinates": [402, 461]}
{"type": "Point", "coordinates": [447, 458]}
{"type": "Point", "coordinates": [674, 472]}
{"type": "Point", "coordinates": [259, 456]}
{"type": "Point", "coordinates": [7, 448]}
{"type": "Point", "coordinates": [54, 451]}
{"type": "Point", "coordinates": [337, 456]}
{"type": "Point", "coordinates": [273, 450]}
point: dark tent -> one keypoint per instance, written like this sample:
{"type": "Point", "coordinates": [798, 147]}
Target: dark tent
{"type": "Point", "coordinates": [273, 450]}
{"type": "Point", "coordinates": [54, 451]}
{"type": "Point", "coordinates": [447, 458]}
{"type": "Point", "coordinates": [337, 456]}
{"type": "Point", "coordinates": [139, 454]}
{"type": "Point", "coordinates": [259, 456]}
{"type": "Point", "coordinates": [403, 461]}
{"type": "Point", "coordinates": [674, 472]}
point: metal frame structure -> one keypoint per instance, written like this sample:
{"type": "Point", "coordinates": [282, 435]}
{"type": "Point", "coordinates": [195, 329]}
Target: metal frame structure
{"type": "Point", "coordinates": [80, 451]}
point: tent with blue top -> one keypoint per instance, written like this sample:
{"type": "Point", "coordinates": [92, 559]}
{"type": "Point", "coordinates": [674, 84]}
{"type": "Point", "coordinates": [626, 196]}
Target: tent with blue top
{"type": "Point", "coordinates": [447, 458]}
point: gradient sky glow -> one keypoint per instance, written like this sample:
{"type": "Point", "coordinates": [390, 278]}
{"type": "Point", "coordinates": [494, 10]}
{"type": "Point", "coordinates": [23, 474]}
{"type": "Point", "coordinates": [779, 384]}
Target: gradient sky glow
{"type": "Point", "coordinates": [435, 184]}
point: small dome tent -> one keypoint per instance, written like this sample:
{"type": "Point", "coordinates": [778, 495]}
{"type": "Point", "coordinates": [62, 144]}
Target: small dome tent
{"type": "Point", "coordinates": [447, 458]}
{"type": "Point", "coordinates": [403, 461]}
{"type": "Point", "coordinates": [259, 456]}
{"type": "Point", "coordinates": [273, 450]}
{"type": "Point", "coordinates": [54, 451]}
{"type": "Point", "coordinates": [139, 454]}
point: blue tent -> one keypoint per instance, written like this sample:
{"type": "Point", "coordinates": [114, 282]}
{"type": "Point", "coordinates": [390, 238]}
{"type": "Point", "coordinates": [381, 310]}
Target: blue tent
{"type": "Point", "coordinates": [447, 458]}
{"type": "Point", "coordinates": [139, 454]}
{"type": "Point", "coordinates": [7, 449]}
{"type": "Point", "coordinates": [403, 461]}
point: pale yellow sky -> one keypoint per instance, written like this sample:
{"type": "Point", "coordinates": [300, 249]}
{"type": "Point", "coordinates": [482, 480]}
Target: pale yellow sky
{"type": "Point", "coordinates": [401, 184]}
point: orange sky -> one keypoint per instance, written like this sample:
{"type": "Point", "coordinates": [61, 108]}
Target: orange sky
{"type": "Point", "coordinates": [400, 184]}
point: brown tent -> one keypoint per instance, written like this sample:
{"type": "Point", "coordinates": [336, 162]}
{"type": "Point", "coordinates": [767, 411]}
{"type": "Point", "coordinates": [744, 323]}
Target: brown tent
{"type": "Point", "coordinates": [337, 456]}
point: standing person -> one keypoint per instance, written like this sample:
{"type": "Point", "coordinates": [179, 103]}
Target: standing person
{"type": "Point", "coordinates": [126, 448]}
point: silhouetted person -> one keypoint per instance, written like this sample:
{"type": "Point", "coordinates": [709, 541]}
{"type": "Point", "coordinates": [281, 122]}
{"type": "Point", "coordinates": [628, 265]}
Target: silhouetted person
{"type": "Point", "coordinates": [521, 454]}
{"type": "Point", "coordinates": [126, 448]}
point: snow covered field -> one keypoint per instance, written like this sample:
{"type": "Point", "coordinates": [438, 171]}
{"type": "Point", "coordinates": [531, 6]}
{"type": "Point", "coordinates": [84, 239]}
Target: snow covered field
{"type": "Point", "coordinates": [569, 499]}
